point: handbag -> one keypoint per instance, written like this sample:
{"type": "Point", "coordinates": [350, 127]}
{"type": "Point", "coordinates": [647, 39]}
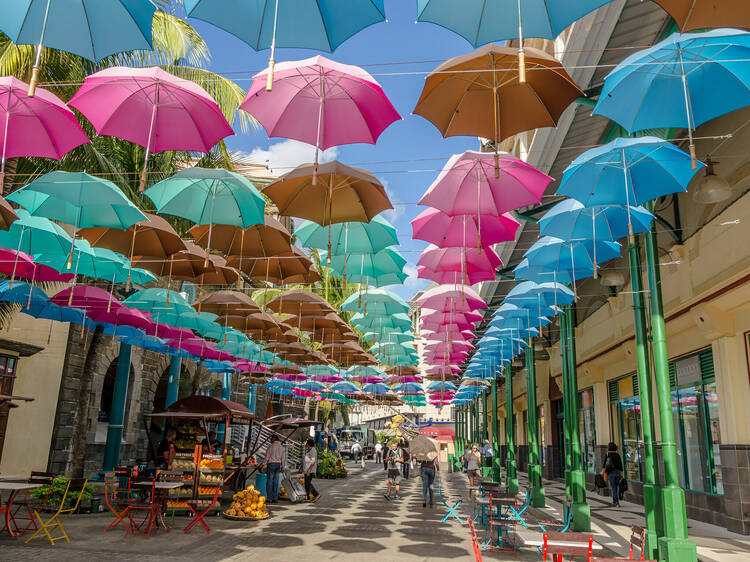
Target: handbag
{"type": "Point", "coordinates": [622, 487]}
{"type": "Point", "coordinates": [599, 481]}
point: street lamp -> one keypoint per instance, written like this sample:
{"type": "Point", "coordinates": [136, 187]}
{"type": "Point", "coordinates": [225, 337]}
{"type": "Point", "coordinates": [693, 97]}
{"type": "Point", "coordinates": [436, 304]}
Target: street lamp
{"type": "Point", "coordinates": [712, 188]}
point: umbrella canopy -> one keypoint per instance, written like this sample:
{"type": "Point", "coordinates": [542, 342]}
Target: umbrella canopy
{"type": "Point", "coordinates": [151, 108]}
{"type": "Point", "coordinates": [209, 196]}
{"type": "Point", "coordinates": [534, 295]}
{"type": "Point", "coordinates": [88, 298]}
{"type": "Point", "coordinates": [362, 267]}
{"type": "Point", "coordinates": [224, 302]}
{"type": "Point", "coordinates": [424, 448]}
{"type": "Point", "coordinates": [269, 238]}
{"type": "Point", "coordinates": [221, 274]}
{"type": "Point", "coordinates": [628, 171]}
{"type": "Point", "coordinates": [683, 81]}
{"type": "Point", "coordinates": [475, 264]}
{"type": "Point", "coordinates": [349, 237]}
{"type": "Point", "coordinates": [299, 302]}
{"type": "Point", "coordinates": [35, 235]}
{"type": "Point", "coordinates": [444, 230]}
{"type": "Point", "coordinates": [483, 93]}
{"type": "Point", "coordinates": [569, 220]}
{"type": "Point", "coordinates": [7, 213]}
{"type": "Point", "coordinates": [377, 301]}
{"type": "Point", "coordinates": [692, 15]}
{"type": "Point", "coordinates": [158, 300]}
{"type": "Point", "coordinates": [187, 264]}
{"type": "Point", "coordinates": [376, 322]}
{"type": "Point", "coordinates": [445, 299]}
{"type": "Point", "coordinates": [23, 266]}
{"type": "Point", "coordinates": [434, 317]}
{"type": "Point", "coordinates": [290, 267]}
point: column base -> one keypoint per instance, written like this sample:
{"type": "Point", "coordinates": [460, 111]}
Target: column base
{"type": "Point", "coordinates": [581, 521]}
{"type": "Point", "coordinates": [674, 512]}
{"type": "Point", "coordinates": [496, 473]}
{"type": "Point", "coordinates": [511, 477]}
{"type": "Point", "coordinates": [653, 517]}
{"type": "Point", "coordinates": [677, 550]}
{"type": "Point", "coordinates": [538, 496]}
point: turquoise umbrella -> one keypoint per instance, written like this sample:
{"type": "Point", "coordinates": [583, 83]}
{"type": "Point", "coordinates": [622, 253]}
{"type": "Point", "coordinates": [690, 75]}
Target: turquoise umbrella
{"type": "Point", "coordinates": [374, 323]}
{"type": "Point", "coordinates": [349, 237]}
{"type": "Point", "coordinates": [377, 301]}
{"type": "Point", "coordinates": [157, 301]}
{"type": "Point", "coordinates": [368, 268]}
{"type": "Point", "coordinates": [391, 335]}
{"type": "Point", "coordinates": [209, 196]}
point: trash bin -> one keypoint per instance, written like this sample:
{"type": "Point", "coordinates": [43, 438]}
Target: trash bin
{"type": "Point", "coordinates": [260, 482]}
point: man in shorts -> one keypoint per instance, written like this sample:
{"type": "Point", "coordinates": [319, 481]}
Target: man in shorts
{"type": "Point", "coordinates": [394, 459]}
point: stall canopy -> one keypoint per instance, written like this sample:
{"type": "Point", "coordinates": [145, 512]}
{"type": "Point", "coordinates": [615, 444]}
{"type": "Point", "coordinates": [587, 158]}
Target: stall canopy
{"type": "Point", "coordinates": [206, 407]}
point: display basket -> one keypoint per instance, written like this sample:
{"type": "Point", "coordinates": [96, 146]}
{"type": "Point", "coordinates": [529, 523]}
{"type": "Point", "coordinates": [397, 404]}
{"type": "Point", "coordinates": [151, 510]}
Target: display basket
{"type": "Point", "coordinates": [244, 518]}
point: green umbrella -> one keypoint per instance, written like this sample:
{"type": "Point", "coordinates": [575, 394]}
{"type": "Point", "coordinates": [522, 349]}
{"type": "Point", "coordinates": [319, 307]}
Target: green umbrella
{"type": "Point", "coordinates": [209, 196]}
{"type": "Point", "coordinates": [364, 371]}
{"type": "Point", "coordinates": [382, 268]}
{"type": "Point", "coordinates": [390, 335]}
{"type": "Point", "coordinates": [377, 301]}
{"type": "Point", "coordinates": [349, 237]}
{"type": "Point", "coordinates": [374, 323]}
{"type": "Point", "coordinates": [393, 347]}
{"type": "Point", "coordinates": [321, 370]}
{"type": "Point", "coordinates": [159, 301]}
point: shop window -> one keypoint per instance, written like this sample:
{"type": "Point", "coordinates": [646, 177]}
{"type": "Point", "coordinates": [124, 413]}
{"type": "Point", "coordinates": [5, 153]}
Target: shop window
{"type": "Point", "coordinates": [695, 412]}
{"type": "Point", "coordinates": [7, 381]}
{"type": "Point", "coordinates": [625, 413]}
{"type": "Point", "coordinates": [586, 429]}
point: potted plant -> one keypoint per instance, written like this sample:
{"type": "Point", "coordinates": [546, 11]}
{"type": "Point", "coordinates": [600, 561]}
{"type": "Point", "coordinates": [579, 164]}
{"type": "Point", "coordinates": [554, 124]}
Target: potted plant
{"type": "Point", "coordinates": [57, 490]}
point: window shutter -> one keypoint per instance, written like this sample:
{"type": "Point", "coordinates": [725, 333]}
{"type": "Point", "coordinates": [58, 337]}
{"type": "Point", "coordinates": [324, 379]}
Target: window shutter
{"type": "Point", "coordinates": [613, 394]}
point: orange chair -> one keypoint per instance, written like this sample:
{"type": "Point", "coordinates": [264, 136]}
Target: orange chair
{"type": "Point", "coordinates": [115, 500]}
{"type": "Point", "coordinates": [23, 510]}
{"type": "Point", "coordinates": [638, 540]}
{"type": "Point", "coordinates": [145, 505]}
{"type": "Point", "coordinates": [576, 544]}
{"type": "Point", "coordinates": [475, 542]}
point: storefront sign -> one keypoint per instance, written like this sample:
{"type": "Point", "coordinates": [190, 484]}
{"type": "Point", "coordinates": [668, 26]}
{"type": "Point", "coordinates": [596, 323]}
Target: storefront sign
{"type": "Point", "coordinates": [688, 370]}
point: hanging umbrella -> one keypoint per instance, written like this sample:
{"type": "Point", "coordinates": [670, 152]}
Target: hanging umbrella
{"type": "Point", "coordinates": [224, 302]}
{"type": "Point", "coordinates": [26, 268]}
{"type": "Point", "coordinates": [538, 295]}
{"type": "Point", "coordinates": [627, 172]}
{"type": "Point", "coordinates": [349, 237]}
{"type": "Point", "coordinates": [378, 301]}
{"type": "Point", "coordinates": [265, 24]}
{"type": "Point", "coordinates": [434, 317]}
{"type": "Point", "coordinates": [42, 126]}
{"type": "Point", "coordinates": [151, 108]}
{"type": "Point", "coordinates": [328, 194]}
{"type": "Point", "coordinates": [298, 301]}
{"type": "Point", "coordinates": [389, 335]}
{"type": "Point", "coordinates": [474, 264]}
{"type": "Point", "coordinates": [487, 94]}
{"type": "Point", "coordinates": [270, 238]}
{"type": "Point", "coordinates": [683, 81]}
{"type": "Point", "coordinates": [290, 267]}
{"type": "Point", "coordinates": [444, 230]}
{"type": "Point", "coordinates": [360, 268]}
{"type": "Point", "coordinates": [221, 275]}
{"type": "Point", "coordinates": [7, 214]}
{"type": "Point", "coordinates": [376, 388]}
{"type": "Point", "coordinates": [320, 102]}
{"type": "Point", "coordinates": [156, 300]}
{"type": "Point", "coordinates": [92, 29]}
{"type": "Point", "coordinates": [692, 15]}
{"type": "Point", "coordinates": [445, 299]}
{"type": "Point", "coordinates": [186, 265]}
{"type": "Point", "coordinates": [375, 323]}
{"type": "Point", "coordinates": [209, 196]}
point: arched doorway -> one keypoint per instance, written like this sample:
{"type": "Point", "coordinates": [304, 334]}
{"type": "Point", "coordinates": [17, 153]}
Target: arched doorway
{"type": "Point", "coordinates": [106, 400]}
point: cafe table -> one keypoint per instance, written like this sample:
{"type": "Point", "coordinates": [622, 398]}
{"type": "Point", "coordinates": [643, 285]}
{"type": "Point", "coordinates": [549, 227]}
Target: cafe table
{"type": "Point", "coordinates": [15, 487]}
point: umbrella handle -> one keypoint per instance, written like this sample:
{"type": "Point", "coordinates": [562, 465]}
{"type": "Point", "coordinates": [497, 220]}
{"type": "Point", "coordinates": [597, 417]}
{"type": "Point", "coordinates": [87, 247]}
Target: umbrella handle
{"type": "Point", "coordinates": [35, 71]}
{"type": "Point", "coordinates": [521, 66]}
{"type": "Point", "coordinates": [269, 78]}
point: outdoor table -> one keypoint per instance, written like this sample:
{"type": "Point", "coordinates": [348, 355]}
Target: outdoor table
{"type": "Point", "coordinates": [13, 478]}
{"type": "Point", "coordinates": [161, 490]}
{"type": "Point", "coordinates": [14, 487]}
{"type": "Point", "coordinates": [530, 538]}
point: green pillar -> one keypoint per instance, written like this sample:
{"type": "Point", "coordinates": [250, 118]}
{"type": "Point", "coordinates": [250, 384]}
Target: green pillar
{"type": "Point", "coordinates": [476, 437]}
{"type": "Point", "coordinates": [173, 384]}
{"type": "Point", "coordinates": [535, 469]}
{"type": "Point", "coordinates": [564, 351]}
{"type": "Point", "coordinates": [654, 521]}
{"type": "Point", "coordinates": [495, 437]}
{"type": "Point", "coordinates": [117, 415]}
{"type": "Point", "coordinates": [485, 421]}
{"type": "Point", "coordinates": [510, 463]}
{"type": "Point", "coordinates": [674, 545]}
{"type": "Point", "coordinates": [581, 510]}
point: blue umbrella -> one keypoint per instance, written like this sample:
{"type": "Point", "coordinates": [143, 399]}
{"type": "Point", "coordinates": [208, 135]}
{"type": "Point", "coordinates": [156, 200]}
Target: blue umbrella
{"type": "Point", "coordinates": [22, 293]}
{"type": "Point", "coordinates": [683, 81]}
{"type": "Point", "coordinates": [344, 387]}
{"type": "Point", "coordinates": [313, 386]}
{"type": "Point", "coordinates": [92, 29]}
{"type": "Point", "coordinates": [438, 386]}
{"type": "Point", "coordinates": [497, 332]}
{"type": "Point", "coordinates": [627, 172]}
{"type": "Point", "coordinates": [376, 388]}
{"type": "Point", "coordinates": [537, 274]}
{"type": "Point", "coordinates": [571, 220]}
{"type": "Point", "coordinates": [556, 254]}
{"type": "Point", "coordinates": [534, 295]}
{"type": "Point", "coordinates": [411, 387]}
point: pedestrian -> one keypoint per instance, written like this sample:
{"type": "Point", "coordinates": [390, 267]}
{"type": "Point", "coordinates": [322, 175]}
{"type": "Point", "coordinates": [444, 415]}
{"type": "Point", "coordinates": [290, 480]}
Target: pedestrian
{"type": "Point", "coordinates": [309, 467]}
{"type": "Point", "coordinates": [356, 451]}
{"type": "Point", "coordinates": [429, 470]}
{"type": "Point", "coordinates": [465, 457]}
{"type": "Point", "coordinates": [385, 457]}
{"type": "Point", "coordinates": [473, 462]}
{"type": "Point", "coordinates": [166, 450]}
{"type": "Point", "coordinates": [407, 458]}
{"type": "Point", "coordinates": [612, 472]}
{"type": "Point", "coordinates": [394, 459]}
{"type": "Point", "coordinates": [273, 462]}
{"type": "Point", "coordinates": [487, 453]}
{"type": "Point", "coordinates": [378, 452]}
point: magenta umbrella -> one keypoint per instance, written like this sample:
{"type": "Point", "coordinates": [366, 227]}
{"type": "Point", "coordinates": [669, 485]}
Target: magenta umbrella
{"type": "Point", "coordinates": [40, 126]}
{"type": "Point", "coordinates": [23, 266]}
{"type": "Point", "coordinates": [402, 379]}
{"type": "Point", "coordinates": [294, 377]}
{"type": "Point", "coordinates": [445, 298]}
{"type": "Point", "coordinates": [454, 345]}
{"type": "Point", "coordinates": [485, 183]}
{"type": "Point", "coordinates": [453, 331]}
{"type": "Point", "coordinates": [444, 230]}
{"type": "Point", "coordinates": [443, 369]}
{"type": "Point", "coordinates": [326, 378]}
{"type": "Point", "coordinates": [433, 317]}
{"type": "Point", "coordinates": [200, 348]}
{"type": "Point", "coordinates": [469, 262]}
{"type": "Point", "coordinates": [320, 102]}
{"type": "Point", "coordinates": [447, 326]}
{"type": "Point", "coordinates": [153, 109]}
{"type": "Point", "coordinates": [367, 379]}
{"type": "Point", "coordinates": [446, 357]}
{"type": "Point", "coordinates": [124, 316]}
{"type": "Point", "coordinates": [88, 298]}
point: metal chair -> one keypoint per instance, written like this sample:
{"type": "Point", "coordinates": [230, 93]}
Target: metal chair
{"type": "Point", "coordinates": [638, 540]}
{"type": "Point", "coordinates": [192, 504]}
{"type": "Point", "coordinates": [451, 509]}
{"type": "Point", "coordinates": [112, 498]}
{"type": "Point", "coordinates": [74, 486]}
{"type": "Point", "coordinates": [144, 504]}
{"type": "Point", "coordinates": [576, 544]}
{"type": "Point", "coordinates": [505, 523]}
{"type": "Point", "coordinates": [23, 509]}
{"type": "Point", "coordinates": [475, 542]}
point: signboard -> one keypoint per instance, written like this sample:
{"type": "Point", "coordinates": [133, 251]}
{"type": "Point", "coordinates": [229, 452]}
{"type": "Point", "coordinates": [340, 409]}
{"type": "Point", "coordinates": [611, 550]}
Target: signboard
{"type": "Point", "coordinates": [688, 370]}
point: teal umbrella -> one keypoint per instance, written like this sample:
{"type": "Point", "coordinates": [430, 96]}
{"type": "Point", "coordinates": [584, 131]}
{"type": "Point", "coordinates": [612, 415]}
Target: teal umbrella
{"type": "Point", "coordinates": [377, 301]}
{"type": "Point", "coordinates": [158, 301]}
{"type": "Point", "coordinates": [79, 199]}
{"type": "Point", "coordinates": [349, 237]}
{"type": "Point", "coordinates": [376, 323]}
{"type": "Point", "coordinates": [390, 335]}
{"type": "Point", "coordinates": [209, 196]}
{"type": "Point", "coordinates": [372, 269]}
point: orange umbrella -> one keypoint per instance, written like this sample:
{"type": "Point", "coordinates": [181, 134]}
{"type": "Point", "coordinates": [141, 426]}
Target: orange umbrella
{"type": "Point", "coordinates": [292, 267]}
{"type": "Point", "coordinates": [221, 274]}
{"type": "Point", "coordinates": [299, 302]}
{"type": "Point", "coordinates": [268, 239]}
{"type": "Point", "coordinates": [691, 15]}
{"type": "Point", "coordinates": [336, 193]}
{"type": "Point", "coordinates": [7, 214]}
{"type": "Point", "coordinates": [222, 302]}
{"type": "Point", "coordinates": [185, 265]}
{"type": "Point", "coordinates": [481, 95]}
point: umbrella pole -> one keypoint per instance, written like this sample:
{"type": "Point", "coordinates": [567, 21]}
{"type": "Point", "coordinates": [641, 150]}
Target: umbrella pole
{"type": "Point", "coordinates": [70, 298]}
{"type": "Point", "coordinates": [130, 260]}
{"type": "Point", "coordinates": [573, 268]}
{"type": "Point", "coordinates": [688, 110]}
{"type": "Point", "coordinates": [521, 53]}
{"type": "Point", "coordinates": [5, 142]}
{"type": "Point", "coordinates": [210, 224]}
{"type": "Point", "coordinates": [271, 61]}
{"type": "Point", "coordinates": [35, 70]}
{"type": "Point", "coordinates": [111, 290]}
{"type": "Point", "coordinates": [631, 238]}
{"type": "Point", "coordinates": [593, 242]}
{"type": "Point", "coordinates": [497, 119]}
{"type": "Point", "coordinates": [329, 209]}
{"type": "Point", "coordinates": [319, 135]}
{"type": "Point", "coordinates": [169, 277]}
{"type": "Point", "coordinates": [142, 185]}
{"type": "Point", "coordinates": [15, 260]}
{"type": "Point", "coordinates": [69, 264]}
{"type": "Point", "coordinates": [346, 247]}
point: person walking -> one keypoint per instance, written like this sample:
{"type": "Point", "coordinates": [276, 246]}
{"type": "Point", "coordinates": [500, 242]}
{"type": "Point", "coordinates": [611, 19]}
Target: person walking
{"type": "Point", "coordinates": [274, 462]}
{"type": "Point", "coordinates": [429, 470]}
{"type": "Point", "coordinates": [406, 466]}
{"type": "Point", "coordinates": [473, 462]}
{"type": "Point", "coordinates": [309, 467]}
{"type": "Point", "coordinates": [356, 451]}
{"type": "Point", "coordinates": [378, 452]}
{"type": "Point", "coordinates": [394, 458]}
{"type": "Point", "coordinates": [487, 453]}
{"type": "Point", "coordinates": [612, 472]}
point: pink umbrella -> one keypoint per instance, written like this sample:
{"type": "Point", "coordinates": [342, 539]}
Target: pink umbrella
{"type": "Point", "coordinates": [41, 126]}
{"type": "Point", "coordinates": [326, 378]}
{"type": "Point", "coordinates": [454, 331]}
{"type": "Point", "coordinates": [441, 317]}
{"type": "Point", "coordinates": [447, 299]}
{"type": "Point", "coordinates": [88, 298]}
{"type": "Point", "coordinates": [151, 108]}
{"type": "Point", "coordinates": [472, 184]}
{"type": "Point", "coordinates": [444, 230]}
{"type": "Point", "coordinates": [452, 277]}
{"type": "Point", "coordinates": [454, 345]}
{"type": "Point", "coordinates": [447, 326]}
{"type": "Point", "coordinates": [457, 357]}
{"type": "Point", "coordinates": [321, 102]}
{"type": "Point", "coordinates": [367, 379]}
{"type": "Point", "coordinates": [468, 261]}
{"type": "Point", "coordinates": [294, 377]}
{"type": "Point", "coordinates": [200, 348]}
{"type": "Point", "coordinates": [26, 268]}
{"type": "Point", "coordinates": [124, 316]}
{"type": "Point", "coordinates": [444, 370]}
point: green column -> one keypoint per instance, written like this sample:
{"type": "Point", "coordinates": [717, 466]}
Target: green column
{"type": "Point", "coordinates": [581, 510]}
{"type": "Point", "coordinates": [117, 415]}
{"type": "Point", "coordinates": [535, 469]}
{"type": "Point", "coordinates": [495, 436]}
{"type": "Point", "coordinates": [173, 384]}
{"type": "Point", "coordinates": [674, 545]}
{"type": "Point", "coordinates": [476, 437]}
{"type": "Point", "coordinates": [510, 463]}
{"type": "Point", "coordinates": [485, 421]}
{"type": "Point", "coordinates": [564, 352]}
{"type": "Point", "coordinates": [654, 522]}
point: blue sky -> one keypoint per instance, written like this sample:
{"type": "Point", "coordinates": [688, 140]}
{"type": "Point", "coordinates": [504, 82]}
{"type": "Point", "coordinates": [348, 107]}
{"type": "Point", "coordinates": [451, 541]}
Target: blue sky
{"type": "Point", "coordinates": [410, 153]}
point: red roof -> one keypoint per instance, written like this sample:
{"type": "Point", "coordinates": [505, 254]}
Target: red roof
{"type": "Point", "coordinates": [445, 433]}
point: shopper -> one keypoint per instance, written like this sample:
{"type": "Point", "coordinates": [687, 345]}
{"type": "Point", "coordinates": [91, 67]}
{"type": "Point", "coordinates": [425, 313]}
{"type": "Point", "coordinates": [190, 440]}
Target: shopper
{"type": "Point", "coordinates": [309, 467]}
{"type": "Point", "coordinates": [487, 453]}
{"type": "Point", "coordinates": [394, 458]}
{"type": "Point", "coordinates": [378, 452]}
{"type": "Point", "coordinates": [473, 462]}
{"type": "Point", "coordinates": [356, 451]}
{"type": "Point", "coordinates": [166, 451]}
{"type": "Point", "coordinates": [407, 459]}
{"type": "Point", "coordinates": [274, 463]}
{"type": "Point", "coordinates": [429, 470]}
{"type": "Point", "coordinates": [612, 471]}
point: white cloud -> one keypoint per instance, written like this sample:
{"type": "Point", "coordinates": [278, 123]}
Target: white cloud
{"type": "Point", "coordinates": [283, 156]}
{"type": "Point", "coordinates": [412, 280]}
{"type": "Point", "coordinates": [398, 209]}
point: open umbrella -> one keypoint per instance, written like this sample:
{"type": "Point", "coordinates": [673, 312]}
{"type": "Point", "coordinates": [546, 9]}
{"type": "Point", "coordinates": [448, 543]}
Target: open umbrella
{"type": "Point", "coordinates": [92, 29]}
{"type": "Point", "coordinates": [683, 81]}
{"type": "Point", "coordinates": [475, 265]}
{"type": "Point", "coordinates": [289, 267]}
{"type": "Point", "coordinates": [298, 302]}
{"type": "Point", "coordinates": [151, 108]}
{"type": "Point", "coordinates": [444, 230]}
{"type": "Point", "coordinates": [221, 274]}
{"type": "Point", "coordinates": [320, 102]}
{"type": "Point", "coordinates": [456, 299]}
{"type": "Point", "coordinates": [209, 196]}
{"type": "Point", "coordinates": [266, 24]}
{"type": "Point", "coordinates": [569, 220]}
{"type": "Point", "coordinates": [692, 15]}
{"type": "Point", "coordinates": [224, 302]}
{"type": "Point", "coordinates": [368, 268]}
{"type": "Point", "coordinates": [378, 301]}
{"type": "Point", "coordinates": [269, 238]}
{"type": "Point", "coordinates": [485, 94]}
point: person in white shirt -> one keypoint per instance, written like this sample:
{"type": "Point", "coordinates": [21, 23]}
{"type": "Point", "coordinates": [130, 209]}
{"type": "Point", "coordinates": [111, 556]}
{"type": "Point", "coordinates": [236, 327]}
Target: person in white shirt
{"type": "Point", "coordinates": [378, 452]}
{"type": "Point", "coordinates": [309, 467]}
{"type": "Point", "coordinates": [356, 451]}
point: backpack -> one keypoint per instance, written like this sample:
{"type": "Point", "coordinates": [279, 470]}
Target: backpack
{"type": "Point", "coordinates": [406, 455]}
{"type": "Point", "coordinates": [622, 487]}
{"type": "Point", "coordinates": [599, 481]}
